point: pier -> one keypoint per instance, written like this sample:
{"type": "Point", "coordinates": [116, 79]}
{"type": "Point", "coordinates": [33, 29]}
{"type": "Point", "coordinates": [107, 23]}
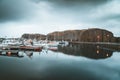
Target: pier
{"type": "Point", "coordinates": [29, 48]}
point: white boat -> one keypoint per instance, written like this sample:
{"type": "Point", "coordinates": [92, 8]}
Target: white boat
{"type": "Point", "coordinates": [40, 43]}
{"type": "Point", "coordinates": [45, 43]}
{"type": "Point", "coordinates": [50, 47]}
{"type": "Point", "coordinates": [54, 48]}
{"type": "Point", "coordinates": [11, 42]}
{"type": "Point", "coordinates": [53, 43]}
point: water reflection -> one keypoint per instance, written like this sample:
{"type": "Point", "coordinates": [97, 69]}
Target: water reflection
{"type": "Point", "coordinates": [63, 67]}
{"type": "Point", "coordinates": [89, 51]}
{"type": "Point", "coordinates": [29, 53]}
{"type": "Point", "coordinates": [11, 54]}
{"type": "Point", "coordinates": [93, 51]}
{"type": "Point", "coordinates": [17, 54]}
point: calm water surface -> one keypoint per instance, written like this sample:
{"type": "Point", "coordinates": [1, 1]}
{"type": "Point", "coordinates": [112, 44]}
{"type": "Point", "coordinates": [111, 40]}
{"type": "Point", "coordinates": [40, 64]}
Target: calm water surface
{"type": "Point", "coordinates": [74, 62]}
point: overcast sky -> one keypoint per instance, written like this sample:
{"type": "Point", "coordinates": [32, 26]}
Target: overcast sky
{"type": "Point", "coordinates": [44, 16]}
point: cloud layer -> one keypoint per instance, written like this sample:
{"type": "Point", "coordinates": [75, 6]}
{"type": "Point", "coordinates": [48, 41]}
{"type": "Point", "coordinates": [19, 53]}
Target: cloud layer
{"type": "Point", "coordinates": [44, 16]}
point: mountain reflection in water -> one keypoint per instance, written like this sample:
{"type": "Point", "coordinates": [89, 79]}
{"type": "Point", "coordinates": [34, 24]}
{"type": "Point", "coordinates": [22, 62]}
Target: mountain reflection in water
{"type": "Point", "coordinates": [87, 50]}
{"type": "Point", "coordinates": [72, 62]}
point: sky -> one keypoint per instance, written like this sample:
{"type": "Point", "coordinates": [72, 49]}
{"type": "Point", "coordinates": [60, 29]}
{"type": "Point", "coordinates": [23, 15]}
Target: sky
{"type": "Point", "coordinates": [45, 16]}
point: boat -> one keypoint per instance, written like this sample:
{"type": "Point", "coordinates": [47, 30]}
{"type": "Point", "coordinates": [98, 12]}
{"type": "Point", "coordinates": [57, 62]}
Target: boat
{"type": "Point", "coordinates": [53, 48]}
{"type": "Point", "coordinates": [11, 42]}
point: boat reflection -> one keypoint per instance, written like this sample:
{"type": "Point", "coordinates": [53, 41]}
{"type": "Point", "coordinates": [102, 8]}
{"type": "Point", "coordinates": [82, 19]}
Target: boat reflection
{"type": "Point", "coordinates": [11, 54]}
{"type": "Point", "coordinates": [29, 53]}
{"type": "Point", "coordinates": [15, 53]}
{"type": "Point", "coordinates": [87, 50]}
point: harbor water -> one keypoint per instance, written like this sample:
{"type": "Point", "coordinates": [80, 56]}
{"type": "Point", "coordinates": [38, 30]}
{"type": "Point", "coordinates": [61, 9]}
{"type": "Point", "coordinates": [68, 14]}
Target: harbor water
{"type": "Point", "coordinates": [72, 62]}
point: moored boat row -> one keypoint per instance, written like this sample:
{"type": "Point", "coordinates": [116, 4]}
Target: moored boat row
{"type": "Point", "coordinates": [30, 45]}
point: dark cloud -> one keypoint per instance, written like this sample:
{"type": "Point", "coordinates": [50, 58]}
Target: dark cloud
{"type": "Point", "coordinates": [78, 2]}
{"type": "Point", "coordinates": [20, 9]}
{"type": "Point", "coordinates": [13, 9]}
{"type": "Point", "coordinates": [72, 3]}
{"type": "Point", "coordinates": [74, 9]}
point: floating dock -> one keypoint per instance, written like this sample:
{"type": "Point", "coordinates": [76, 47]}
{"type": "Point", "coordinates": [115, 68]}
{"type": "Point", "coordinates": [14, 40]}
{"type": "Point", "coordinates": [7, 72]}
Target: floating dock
{"type": "Point", "coordinates": [20, 48]}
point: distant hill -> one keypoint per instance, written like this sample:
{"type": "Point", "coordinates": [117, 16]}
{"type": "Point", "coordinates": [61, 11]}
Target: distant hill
{"type": "Point", "coordinates": [34, 36]}
{"type": "Point", "coordinates": [84, 35]}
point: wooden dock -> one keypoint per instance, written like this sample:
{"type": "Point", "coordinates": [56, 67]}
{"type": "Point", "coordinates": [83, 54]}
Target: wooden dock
{"type": "Point", "coordinates": [20, 48]}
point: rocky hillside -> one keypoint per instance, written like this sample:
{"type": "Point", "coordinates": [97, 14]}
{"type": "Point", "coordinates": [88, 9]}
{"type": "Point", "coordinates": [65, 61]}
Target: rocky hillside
{"type": "Point", "coordinates": [84, 35]}
{"type": "Point", "coordinates": [34, 36]}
